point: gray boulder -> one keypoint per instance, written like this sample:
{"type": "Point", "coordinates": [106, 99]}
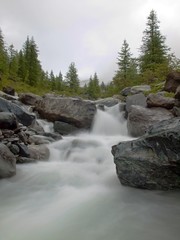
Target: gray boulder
{"type": "Point", "coordinates": [140, 89]}
{"type": "Point", "coordinates": [22, 116]}
{"type": "Point", "coordinates": [8, 121]}
{"type": "Point", "coordinates": [157, 100]}
{"type": "Point", "coordinates": [77, 112]}
{"type": "Point", "coordinates": [39, 152]}
{"type": "Point", "coordinates": [64, 128]}
{"type": "Point", "coordinates": [140, 119]}
{"type": "Point", "coordinates": [7, 162]}
{"type": "Point", "coordinates": [29, 98]}
{"type": "Point", "coordinates": [152, 161]}
{"type": "Point", "coordinates": [172, 82]}
{"type": "Point", "coordinates": [108, 102]}
{"type": "Point", "coordinates": [137, 99]}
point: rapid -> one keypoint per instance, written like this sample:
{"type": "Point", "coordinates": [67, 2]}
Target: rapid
{"type": "Point", "coordinates": [76, 195]}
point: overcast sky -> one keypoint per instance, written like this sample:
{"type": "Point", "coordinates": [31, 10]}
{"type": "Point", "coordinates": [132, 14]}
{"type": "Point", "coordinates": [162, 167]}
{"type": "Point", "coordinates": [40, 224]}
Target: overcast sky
{"type": "Point", "coordinates": [87, 32]}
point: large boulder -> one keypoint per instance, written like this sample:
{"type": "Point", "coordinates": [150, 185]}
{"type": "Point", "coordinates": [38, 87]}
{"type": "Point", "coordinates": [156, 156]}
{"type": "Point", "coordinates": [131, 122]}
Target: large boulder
{"type": "Point", "coordinates": [172, 82]}
{"type": "Point", "coordinates": [77, 112]}
{"type": "Point", "coordinates": [64, 128]}
{"type": "Point", "coordinates": [157, 100]}
{"type": "Point", "coordinates": [22, 116]}
{"type": "Point", "coordinates": [9, 90]}
{"type": "Point", "coordinates": [137, 99]}
{"type": "Point", "coordinates": [152, 161]}
{"type": "Point", "coordinates": [29, 98]}
{"type": "Point", "coordinates": [8, 121]}
{"type": "Point", "coordinates": [7, 162]}
{"type": "Point", "coordinates": [140, 89]}
{"type": "Point", "coordinates": [140, 119]}
{"type": "Point", "coordinates": [108, 102]}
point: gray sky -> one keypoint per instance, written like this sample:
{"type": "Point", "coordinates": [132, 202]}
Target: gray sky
{"type": "Point", "coordinates": [87, 32]}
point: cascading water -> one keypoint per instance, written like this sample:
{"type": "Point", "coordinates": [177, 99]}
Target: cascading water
{"type": "Point", "coordinates": [77, 196]}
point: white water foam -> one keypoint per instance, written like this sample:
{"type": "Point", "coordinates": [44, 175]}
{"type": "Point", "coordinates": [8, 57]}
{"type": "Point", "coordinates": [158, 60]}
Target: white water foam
{"type": "Point", "coordinates": [77, 196]}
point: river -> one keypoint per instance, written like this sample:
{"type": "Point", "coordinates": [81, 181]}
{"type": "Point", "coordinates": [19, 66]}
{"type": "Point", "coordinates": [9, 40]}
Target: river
{"type": "Point", "coordinates": [76, 195]}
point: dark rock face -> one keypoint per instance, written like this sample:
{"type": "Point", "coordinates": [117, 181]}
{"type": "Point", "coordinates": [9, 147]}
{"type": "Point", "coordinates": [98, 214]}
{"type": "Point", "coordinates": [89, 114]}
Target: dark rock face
{"type": "Point", "coordinates": [152, 161]}
{"type": "Point", "coordinates": [108, 102]}
{"type": "Point", "coordinates": [172, 82]}
{"type": "Point", "coordinates": [64, 128]}
{"type": "Point", "coordinates": [177, 93]}
{"type": "Point", "coordinates": [9, 90]}
{"type": "Point", "coordinates": [8, 121]}
{"type": "Point", "coordinates": [74, 111]}
{"type": "Point", "coordinates": [7, 162]}
{"type": "Point", "coordinates": [157, 100]}
{"type": "Point", "coordinates": [140, 119]}
{"type": "Point", "coordinates": [22, 116]}
{"type": "Point", "coordinates": [137, 99]}
{"type": "Point", "coordinates": [29, 98]}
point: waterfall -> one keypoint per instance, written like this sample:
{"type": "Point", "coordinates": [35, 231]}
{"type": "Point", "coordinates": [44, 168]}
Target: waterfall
{"type": "Point", "coordinates": [77, 196]}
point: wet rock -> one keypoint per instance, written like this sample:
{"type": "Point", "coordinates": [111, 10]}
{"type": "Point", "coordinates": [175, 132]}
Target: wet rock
{"type": "Point", "coordinates": [126, 91]}
{"type": "Point", "coordinates": [140, 119]}
{"type": "Point", "coordinates": [55, 136]}
{"type": "Point", "coordinates": [152, 161]}
{"type": "Point", "coordinates": [39, 152]}
{"type": "Point", "coordinates": [14, 149]}
{"type": "Point", "coordinates": [23, 160]}
{"type": "Point", "coordinates": [7, 162]}
{"type": "Point", "coordinates": [157, 100]}
{"type": "Point", "coordinates": [22, 116]}
{"type": "Point", "coordinates": [9, 91]}
{"type": "Point", "coordinates": [108, 102]}
{"type": "Point", "coordinates": [140, 89]}
{"type": "Point", "coordinates": [77, 112]}
{"type": "Point", "coordinates": [23, 150]}
{"type": "Point", "coordinates": [64, 128]}
{"type": "Point", "coordinates": [8, 121]}
{"type": "Point", "coordinates": [38, 139]}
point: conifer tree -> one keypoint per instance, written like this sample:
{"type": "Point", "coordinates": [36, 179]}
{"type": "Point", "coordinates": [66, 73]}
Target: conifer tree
{"type": "Point", "coordinates": [72, 79]}
{"type": "Point", "coordinates": [3, 57]}
{"type": "Point", "coordinates": [59, 82]}
{"type": "Point", "coordinates": [153, 50]}
{"type": "Point", "coordinates": [93, 88]}
{"type": "Point", "coordinates": [13, 62]}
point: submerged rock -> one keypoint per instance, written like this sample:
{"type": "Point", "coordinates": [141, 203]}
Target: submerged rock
{"type": "Point", "coordinates": [152, 161]}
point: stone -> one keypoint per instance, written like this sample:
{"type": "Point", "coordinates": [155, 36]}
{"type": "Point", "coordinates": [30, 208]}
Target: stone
{"type": "Point", "coordinates": [22, 116]}
{"type": "Point", "coordinates": [77, 112]}
{"type": "Point", "coordinates": [7, 162]}
{"type": "Point", "coordinates": [177, 93]}
{"type": "Point", "coordinates": [23, 160]}
{"type": "Point", "coordinates": [157, 100]}
{"type": "Point", "coordinates": [137, 99]}
{"type": "Point", "coordinates": [140, 89]}
{"type": "Point", "coordinates": [172, 82]}
{"type": "Point", "coordinates": [126, 91]}
{"type": "Point", "coordinates": [39, 152]}
{"type": "Point", "coordinates": [152, 161]}
{"type": "Point", "coordinates": [38, 139]}
{"type": "Point", "coordinates": [140, 119]}
{"type": "Point", "coordinates": [64, 128]}
{"type": "Point", "coordinates": [9, 90]}
{"type": "Point", "coordinates": [29, 98]}
{"type": "Point", "coordinates": [108, 102]}
{"type": "Point", "coordinates": [8, 121]}
{"type": "Point", "coordinates": [23, 150]}
{"type": "Point", "coordinates": [54, 135]}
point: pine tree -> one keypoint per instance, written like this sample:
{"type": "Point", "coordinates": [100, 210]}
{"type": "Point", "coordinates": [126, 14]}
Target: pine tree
{"type": "Point", "coordinates": [93, 88]}
{"type": "Point", "coordinates": [52, 80]}
{"type": "Point", "coordinates": [59, 82]}
{"type": "Point", "coordinates": [22, 70]}
{"type": "Point", "coordinates": [3, 57]}
{"type": "Point", "coordinates": [153, 50]}
{"type": "Point", "coordinates": [72, 79]}
{"type": "Point", "coordinates": [124, 61]}
{"type": "Point", "coordinates": [13, 62]}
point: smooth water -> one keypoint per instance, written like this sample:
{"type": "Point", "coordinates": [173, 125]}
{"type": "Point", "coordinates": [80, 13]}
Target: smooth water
{"type": "Point", "coordinates": [77, 196]}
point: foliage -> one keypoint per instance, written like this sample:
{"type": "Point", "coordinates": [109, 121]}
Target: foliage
{"type": "Point", "coordinates": [72, 79]}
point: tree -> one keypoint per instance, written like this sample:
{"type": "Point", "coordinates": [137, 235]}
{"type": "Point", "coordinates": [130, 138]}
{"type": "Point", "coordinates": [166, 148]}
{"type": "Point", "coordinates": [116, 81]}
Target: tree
{"type": "Point", "coordinates": [93, 88]}
{"type": "Point", "coordinates": [124, 61]}
{"type": "Point", "coordinates": [13, 62]}
{"type": "Point", "coordinates": [153, 50]}
{"type": "Point", "coordinates": [3, 56]}
{"type": "Point", "coordinates": [59, 82]}
{"type": "Point", "coordinates": [72, 79]}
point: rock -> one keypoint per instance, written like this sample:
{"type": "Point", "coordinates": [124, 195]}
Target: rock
{"type": "Point", "coordinates": [64, 128]}
{"type": "Point", "coordinates": [14, 149]}
{"type": "Point", "coordinates": [25, 160]}
{"type": "Point", "coordinates": [152, 161]}
{"type": "Point", "coordinates": [108, 102]}
{"type": "Point", "coordinates": [176, 111]}
{"type": "Point", "coordinates": [126, 91]}
{"type": "Point", "coordinates": [7, 96]}
{"type": "Point", "coordinates": [38, 139]}
{"type": "Point", "coordinates": [77, 112]}
{"type": "Point", "coordinates": [140, 119]}
{"type": "Point", "coordinates": [29, 98]}
{"type": "Point", "coordinates": [137, 99]}
{"type": "Point", "coordinates": [55, 136]}
{"type": "Point", "coordinates": [177, 93]}
{"type": "Point", "coordinates": [23, 150]}
{"type": "Point", "coordinates": [9, 90]}
{"type": "Point", "coordinates": [22, 116]}
{"type": "Point", "coordinates": [172, 82]}
{"type": "Point", "coordinates": [39, 152]}
{"type": "Point", "coordinates": [7, 162]}
{"type": "Point", "coordinates": [36, 127]}
{"type": "Point", "coordinates": [140, 89]}
{"type": "Point", "coordinates": [157, 100]}
{"type": "Point", "coordinates": [8, 121]}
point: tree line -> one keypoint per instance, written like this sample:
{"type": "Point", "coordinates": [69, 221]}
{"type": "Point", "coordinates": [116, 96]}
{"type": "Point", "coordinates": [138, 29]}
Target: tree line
{"type": "Point", "coordinates": [152, 64]}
